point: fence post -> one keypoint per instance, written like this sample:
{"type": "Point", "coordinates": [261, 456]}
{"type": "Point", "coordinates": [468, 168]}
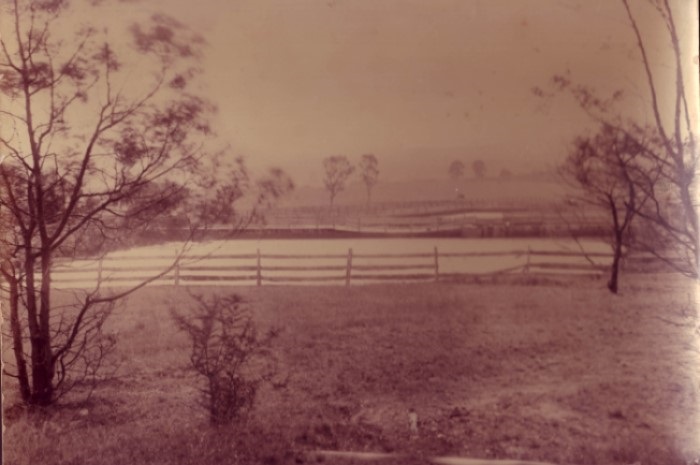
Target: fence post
{"type": "Point", "coordinates": [258, 274]}
{"type": "Point", "coordinates": [437, 267]}
{"type": "Point", "coordinates": [99, 271]}
{"type": "Point", "coordinates": [177, 272]}
{"type": "Point", "coordinates": [526, 269]}
{"type": "Point", "coordinates": [348, 270]}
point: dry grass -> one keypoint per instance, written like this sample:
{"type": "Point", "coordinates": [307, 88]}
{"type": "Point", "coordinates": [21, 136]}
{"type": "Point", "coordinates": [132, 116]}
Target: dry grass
{"type": "Point", "coordinates": [559, 371]}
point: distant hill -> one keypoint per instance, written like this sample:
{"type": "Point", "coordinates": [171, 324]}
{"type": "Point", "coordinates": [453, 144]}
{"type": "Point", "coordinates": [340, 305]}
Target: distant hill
{"type": "Point", "coordinates": [536, 187]}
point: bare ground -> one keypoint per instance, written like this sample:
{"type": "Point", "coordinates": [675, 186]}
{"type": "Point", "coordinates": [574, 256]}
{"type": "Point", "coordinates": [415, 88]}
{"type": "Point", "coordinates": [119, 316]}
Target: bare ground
{"type": "Point", "coordinates": [534, 369]}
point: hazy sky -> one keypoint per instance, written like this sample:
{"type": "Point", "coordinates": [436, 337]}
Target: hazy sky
{"type": "Point", "coordinates": [416, 82]}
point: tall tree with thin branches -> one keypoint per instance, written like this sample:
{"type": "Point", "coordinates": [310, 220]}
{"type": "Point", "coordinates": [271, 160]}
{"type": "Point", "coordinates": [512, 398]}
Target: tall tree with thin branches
{"type": "Point", "coordinates": [671, 157]}
{"type": "Point", "coordinates": [93, 153]}
{"type": "Point", "coordinates": [675, 157]}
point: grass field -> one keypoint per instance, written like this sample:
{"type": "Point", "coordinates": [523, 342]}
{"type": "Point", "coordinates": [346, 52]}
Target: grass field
{"type": "Point", "coordinates": [555, 371]}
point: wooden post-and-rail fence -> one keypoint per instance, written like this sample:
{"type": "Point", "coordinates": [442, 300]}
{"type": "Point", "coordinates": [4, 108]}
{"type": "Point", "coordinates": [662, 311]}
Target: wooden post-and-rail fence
{"type": "Point", "coordinates": [193, 269]}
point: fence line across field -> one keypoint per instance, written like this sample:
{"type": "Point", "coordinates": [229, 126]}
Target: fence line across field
{"type": "Point", "coordinates": [260, 268]}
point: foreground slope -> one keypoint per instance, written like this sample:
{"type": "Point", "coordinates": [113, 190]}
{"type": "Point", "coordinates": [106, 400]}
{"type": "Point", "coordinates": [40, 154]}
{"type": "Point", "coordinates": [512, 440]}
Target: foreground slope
{"type": "Point", "coordinates": [558, 371]}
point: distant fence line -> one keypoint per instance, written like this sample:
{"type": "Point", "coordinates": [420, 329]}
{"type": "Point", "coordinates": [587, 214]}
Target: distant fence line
{"type": "Point", "coordinates": [453, 219]}
{"type": "Point", "coordinates": [420, 205]}
{"type": "Point", "coordinates": [477, 227]}
{"type": "Point", "coordinates": [489, 223]}
{"type": "Point", "coordinates": [423, 266]}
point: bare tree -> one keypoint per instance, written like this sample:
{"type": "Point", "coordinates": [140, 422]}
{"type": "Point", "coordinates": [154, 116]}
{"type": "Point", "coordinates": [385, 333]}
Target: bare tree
{"type": "Point", "coordinates": [337, 170]}
{"type": "Point", "coordinates": [606, 171]}
{"type": "Point", "coordinates": [676, 156]}
{"type": "Point", "coordinates": [479, 168]}
{"type": "Point", "coordinates": [92, 153]}
{"type": "Point", "coordinates": [670, 215]}
{"type": "Point", "coordinates": [369, 165]}
{"type": "Point", "coordinates": [456, 170]}
{"type": "Point", "coordinates": [229, 352]}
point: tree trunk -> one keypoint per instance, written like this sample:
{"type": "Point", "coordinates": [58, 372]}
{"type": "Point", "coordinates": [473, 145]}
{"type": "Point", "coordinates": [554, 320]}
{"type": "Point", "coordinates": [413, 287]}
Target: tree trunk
{"type": "Point", "coordinates": [44, 389]}
{"type": "Point", "coordinates": [692, 222]}
{"type": "Point", "coordinates": [39, 334]}
{"type": "Point", "coordinates": [615, 267]}
{"type": "Point", "coordinates": [16, 330]}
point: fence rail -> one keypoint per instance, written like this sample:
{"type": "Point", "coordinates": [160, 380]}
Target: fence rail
{"type": "Point", "coordinates": [260, 268]}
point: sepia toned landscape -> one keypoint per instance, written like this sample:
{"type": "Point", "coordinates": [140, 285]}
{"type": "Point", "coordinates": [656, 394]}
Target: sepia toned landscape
{"type": "Point", "coordinates": [396, 232]}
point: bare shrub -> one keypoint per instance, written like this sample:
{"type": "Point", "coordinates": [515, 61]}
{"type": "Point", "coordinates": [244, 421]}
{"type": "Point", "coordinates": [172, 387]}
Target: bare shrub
{"type": "Point", "coordinates": [228, 351]}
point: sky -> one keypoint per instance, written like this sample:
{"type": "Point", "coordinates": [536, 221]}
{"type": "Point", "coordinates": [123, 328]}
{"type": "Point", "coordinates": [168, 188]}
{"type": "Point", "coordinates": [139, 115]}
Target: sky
{"type": "Point", "coordinates": [418, 83]}
{"type": "Point", "coordinates": [415, 82]}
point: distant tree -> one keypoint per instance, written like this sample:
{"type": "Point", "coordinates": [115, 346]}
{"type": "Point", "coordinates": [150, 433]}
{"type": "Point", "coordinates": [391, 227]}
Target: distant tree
{"type": "Point", "coordinates": [369, 165]}
{"type": "Point", "coordinates": [456, 170]}
{"type": "Point", "coordinates": [337, 170]}
{"type": "Point", "coordinates": [606, 169]}
{"type": "Point", "coordinates": [505, 174]}
{"type": "Point", "coordinates": [479, 168]}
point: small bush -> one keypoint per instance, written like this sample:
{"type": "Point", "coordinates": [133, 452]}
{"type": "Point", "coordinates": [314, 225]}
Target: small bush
{"type": "Point", "coordinates": [229, 353]}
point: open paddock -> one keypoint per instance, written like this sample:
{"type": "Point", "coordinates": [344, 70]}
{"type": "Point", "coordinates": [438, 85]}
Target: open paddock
{"type": "Point", "coordinates": [517, 367]}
